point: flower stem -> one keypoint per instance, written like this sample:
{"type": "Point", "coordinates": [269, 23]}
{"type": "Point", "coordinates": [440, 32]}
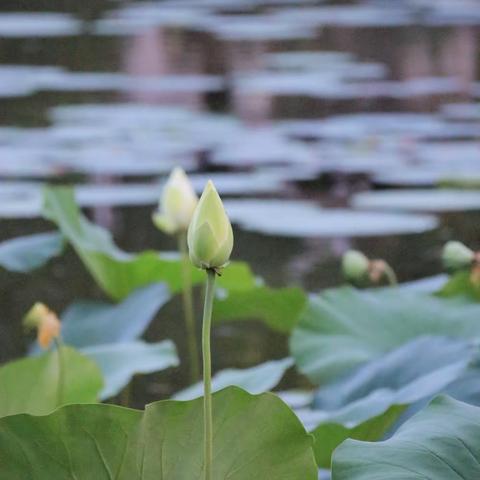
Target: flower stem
{"type": "Point", "coordinates": [61, 371]}
{"type": "Point", "coordinates": [390, 275]}
{"type": "Point", "coordinates": [207, 373]}
{"type": "Point", "coordinates": [188, 309]}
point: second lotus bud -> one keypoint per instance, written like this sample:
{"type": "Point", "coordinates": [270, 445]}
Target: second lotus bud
{"type": "Point", "coordinates": [177, 204]}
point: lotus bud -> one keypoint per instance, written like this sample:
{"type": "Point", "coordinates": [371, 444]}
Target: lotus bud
{"type": "Point", "coordinates": [355, 266]}
{"type": "Point", "coordinates": [210, 235]}
{"type": "Point", "coordinates": [457, 256]}
{"type": "Point", "coordinates": [177, 204]}
{"type": "Point", "coordinates": [45, 322]}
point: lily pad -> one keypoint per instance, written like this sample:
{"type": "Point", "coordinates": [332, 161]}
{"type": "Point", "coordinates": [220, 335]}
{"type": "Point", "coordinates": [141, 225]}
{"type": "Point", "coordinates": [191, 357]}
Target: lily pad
{"type": "Point", "coordinates": [417, 200]}
{"type": "Point", "coordinates": [343, 328]}
{"type": "Point", "coordinates": [152, 444]}
{"type": "Point", "coordinates": [439, 442]}
{"type": "Point", "coordinates": [24, 254]}
{"type": "Point", "coordinates": [120, 361]}
{"type": "Point", "coordinates": [87, 323]}
{"type": "Point", "coordinates": [258, 379]}
{"type": "Point", "coordinates": [30, 385]}
{"type": "Point", "coordinates": [421, 368]}
{"type": "Point", "coordinates": [37, 24]}
{"type": "Point", "coordinates": [292, 218]}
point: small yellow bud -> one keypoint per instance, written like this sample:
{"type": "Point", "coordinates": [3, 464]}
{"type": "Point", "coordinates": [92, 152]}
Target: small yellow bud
{"type": "Point", "coordinates": [210, 235]}
{"type": "Point", "coordinates": [45, 321]}
{"type": "Point", "coordinates": [48, 330]}
{"type": "Point", "coordinates": [177, 204]}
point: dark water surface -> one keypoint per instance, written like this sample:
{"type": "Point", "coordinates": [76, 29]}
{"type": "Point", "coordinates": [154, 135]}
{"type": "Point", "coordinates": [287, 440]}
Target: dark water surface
{"type": "Point", "coordinates": [266, 89]}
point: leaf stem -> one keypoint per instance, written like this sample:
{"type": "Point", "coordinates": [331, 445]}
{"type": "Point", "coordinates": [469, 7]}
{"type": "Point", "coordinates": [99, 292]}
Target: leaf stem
{"type": "Point", "coordinates": [61, 371]}
{"type": "Point", "coordinates": [207, 373]}
{"type": "Point", "coordinates": [187, 297]}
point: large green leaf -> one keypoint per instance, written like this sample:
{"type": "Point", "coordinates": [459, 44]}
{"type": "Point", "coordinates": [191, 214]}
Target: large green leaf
{"type": "Point", "coordinates": [368, 401]}
{"type": "Point", "coordinates": [421, 368]}
{"type": "Point", "coordinates": [120, 361]}
{"type": "Point", "coordinates": [439, 443]}
{"type": "Point", "coordinates": [90, 323]}
{"type": "Point", "coordinates": [279, 308]}
{"type": "Point", "coordinates": [258, 379]}
{"type": "Point", "coordinates": [30, 385]}
{"type": "Point", "coordinates": [343, 328]}
{"type": "Point", "coordinates": [254, 437]}
{"type": "Point", "coordinates": [23, 254]}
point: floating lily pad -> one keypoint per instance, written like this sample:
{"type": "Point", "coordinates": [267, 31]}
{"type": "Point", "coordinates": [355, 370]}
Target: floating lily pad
{"type": "Point", "coordinates": [442, 200]}
{"type": "Point", "coordinates": [304, 219]}
{"type": "Point", "coordinates": [20, 199]}
{"type": "Point", "coordinates": [23, 254]}
{"type": "Point", "coordinates": [258, 379]}
{"type": "Point", "coordinates": [38, 24]}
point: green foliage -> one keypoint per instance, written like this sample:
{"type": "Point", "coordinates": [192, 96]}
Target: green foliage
{"type": "Point", "coordinates": [280, 308]}
{"type": "Point", "coordinates": [366, 403]}
{"type": "Point", "coordinates": [343, 328]}
{"type": "Point", "coordinates": [255, 437]}
{"type": "Point", "coordinates": [119, 273]}
{"type": "Point", "coordinates": [440, 443]}
{"type": "Point", "coordinates": [30, 385]}
{"type": "Point", "coordinates": [460, 284]}
{"type": "Point", "coordinates": [23, 254]}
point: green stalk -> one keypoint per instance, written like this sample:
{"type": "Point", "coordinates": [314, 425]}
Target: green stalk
{"type": "Point", "coordinates": [390, 275]}
{"type": "Point", "coordinates": [207, 373]}
{"type": "Point", "coordinates": [61, 372]}
{"type": "Point", "coordinates": [188, 309]}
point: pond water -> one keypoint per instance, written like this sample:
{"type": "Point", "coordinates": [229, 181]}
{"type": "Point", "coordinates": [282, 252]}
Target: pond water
{"type": "Point", "coordinates": [301, 111]}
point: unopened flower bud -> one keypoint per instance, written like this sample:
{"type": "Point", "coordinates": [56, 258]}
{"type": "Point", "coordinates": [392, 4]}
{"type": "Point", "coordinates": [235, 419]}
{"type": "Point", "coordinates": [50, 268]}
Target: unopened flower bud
{"type": "Point", "coordinates": [210, 235]}
{"type": "Point", "coordinates": [355, 266]}
{"type": "Point", "coordinates": [177, 204]}
{"type": "Point", "coordinates": [45, 322]}
{"type": "Point", "coordinates": [457, 256]}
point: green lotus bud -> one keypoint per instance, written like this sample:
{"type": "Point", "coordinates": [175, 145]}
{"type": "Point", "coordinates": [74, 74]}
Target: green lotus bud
{"type": "Point", "coordinates": [355, 265]}
{"type": "Point", "coordinates": [177, 204]}
{"type": "Point", "coordinates": [210, 236]}
{"type": "Point", "coordinates": [457, 256]}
